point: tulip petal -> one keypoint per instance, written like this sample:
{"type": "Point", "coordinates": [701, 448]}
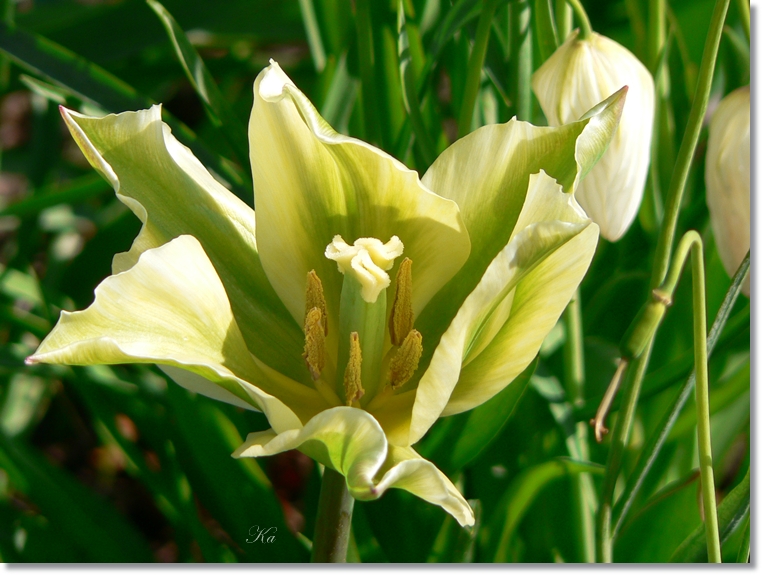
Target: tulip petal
{"type": "Point", "coordinates": [171, 308]}
{"type": "Point", "coordinates": [502, 323]}
{"type": "Point", "coordinates": [579, 74]}
{"type": "Point", "coordinates": [487, 173]}
{"type": "Point", "coordinates": [161, 181]}
{"type": "Point", "coordinates": [312, 183]}
{"type": "Point", "coordinates": [728, 179]}
{"type": "Point", "coordinates": [352, 442]}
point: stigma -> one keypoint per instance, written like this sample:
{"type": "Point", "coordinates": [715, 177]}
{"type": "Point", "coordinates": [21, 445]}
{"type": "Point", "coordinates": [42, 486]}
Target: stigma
{"type": "Point", "coordinates": [367, 260]}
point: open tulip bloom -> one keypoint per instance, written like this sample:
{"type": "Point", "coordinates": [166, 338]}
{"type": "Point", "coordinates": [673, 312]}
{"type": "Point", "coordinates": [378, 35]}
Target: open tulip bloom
{"type": "Point", "coordinates": [360, 303]}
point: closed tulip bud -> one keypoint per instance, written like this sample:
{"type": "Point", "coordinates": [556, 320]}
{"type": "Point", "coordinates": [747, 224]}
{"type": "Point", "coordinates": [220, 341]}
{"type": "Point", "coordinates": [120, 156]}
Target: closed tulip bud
{"type": "Point", "coordinates": [575, 78]}
{"type": "Point", "coordinates": [728, 179]}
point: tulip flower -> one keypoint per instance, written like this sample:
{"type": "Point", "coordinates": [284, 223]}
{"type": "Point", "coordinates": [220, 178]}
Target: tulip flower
{"type": "Point", "coordinates": [728, 179]}
{"type": "Point", "coordinates": [578, 75]}
{"type": "Point", "coordinates": [360, 303]}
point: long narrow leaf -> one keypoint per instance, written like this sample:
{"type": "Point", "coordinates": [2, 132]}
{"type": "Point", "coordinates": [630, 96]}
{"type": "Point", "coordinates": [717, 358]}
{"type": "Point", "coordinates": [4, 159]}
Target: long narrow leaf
{"type": "Point", "coordinates": [217, 108]}
{"type": "Point", "coordinates": [731, 513]}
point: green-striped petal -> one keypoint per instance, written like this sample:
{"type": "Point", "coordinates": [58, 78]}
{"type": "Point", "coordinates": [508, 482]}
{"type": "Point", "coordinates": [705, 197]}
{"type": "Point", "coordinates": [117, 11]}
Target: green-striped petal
{"type": "Point", "coordinates": [352, 442]}
{"type": "Point", "coordinates": [487, 174]}
{"type": "Point", "coordinates": [161, 181]}
{"type": "Point", "coordinates": [312, 183]}
{"type": "Point", "coordinates": [503, 321]}
{"type": "Point", "coordinates": [171, 308]}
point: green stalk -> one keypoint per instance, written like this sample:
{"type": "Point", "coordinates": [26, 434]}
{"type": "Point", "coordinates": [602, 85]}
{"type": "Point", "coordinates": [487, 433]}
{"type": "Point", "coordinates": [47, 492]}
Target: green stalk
{"type": "Point", "coordinates": [745, 13]}
{"type": "Point", "coordinates": [582, 487]}
{"type": "Point", "coordinates": [367, 62]}
{"type": "Point", "coordinates": [585, 29]}
{"type": "Point", "coordinates": [661, 265]}
{"type": "Point", "coordinates": [521, 58]}
{"type": "Point", "coordinates": [688, 145]}
{"type": "Point", "coordinates": [312, 30]}
{"type": "Point", "coordinates": [475, 64]}
{"type": "Point", "coordinates": [334, 520]}
{"type": "Point", "coordinates": [619, 439]}
{"type": "Point", "coordinates": [655, 443]}
{"type": "Point", "coordinates": [702, 400]}
{"type": "Point", "coordinates": [563, 20]}
{"type": "Point", "coordinates": [657, 31]}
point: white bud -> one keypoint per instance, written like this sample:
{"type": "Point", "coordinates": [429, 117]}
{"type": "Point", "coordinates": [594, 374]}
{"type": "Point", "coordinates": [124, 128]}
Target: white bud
{"type": "Point", "coordinates": [728, 179]}
{"type": "Point", "coordinates": [579, 75]}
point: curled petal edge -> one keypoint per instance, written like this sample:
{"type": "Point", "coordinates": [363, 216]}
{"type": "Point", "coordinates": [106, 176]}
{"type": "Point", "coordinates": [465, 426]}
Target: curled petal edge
{"type": "Point", "coordinates": [352, 442]}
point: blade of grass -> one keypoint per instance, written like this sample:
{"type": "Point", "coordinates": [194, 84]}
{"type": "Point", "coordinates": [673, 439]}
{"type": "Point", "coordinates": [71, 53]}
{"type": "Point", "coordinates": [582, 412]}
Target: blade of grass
{"type": "Point", "coordinates": [475, 65]}
{"type": "Point", "coordinates": [217, 108]}
{"type": "Point", "coordinates": [93, 84]}
{"type": "Point", "coordinates": [521, 494]}
{"type": "Point", "coordinates": [731, 513]}
{"type": "Point", "coordinates": [409, 91]}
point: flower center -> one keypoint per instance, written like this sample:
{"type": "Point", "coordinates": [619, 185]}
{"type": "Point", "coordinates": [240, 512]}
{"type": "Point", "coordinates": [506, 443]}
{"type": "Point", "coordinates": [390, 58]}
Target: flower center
{"type": "Point", "coordinates": [367, 260]}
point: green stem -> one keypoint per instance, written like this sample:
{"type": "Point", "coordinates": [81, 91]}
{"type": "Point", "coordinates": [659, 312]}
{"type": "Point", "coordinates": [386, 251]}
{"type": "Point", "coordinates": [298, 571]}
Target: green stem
{"type": "Point", "coordinates": [334, 520]}
{"type": "Point", "coordinates": [475, 64]}
{"type": "Point", "coordinates": [702, 398]}
{"type": "Point", "coordinates": [657, 31]}
{"type": "Point", "coordinates": [745, 13]}
{"type": "Point", "coordinates": [657, 440]}
{"type": "Point", "coordinates": [563, 20]}
{"type": "Point", "coordinates": [367, 63]}
{"type": "Point", "coordinates": [582, 488]}
{"type": "Point", "coordinates": [688, 145]}
{"type": "Point", "coordinates": [585, 29]}
{"type": "Point", "coordinates": [619, 439]}
{"type": "Point", "coordinates": [661, 265]}
{"type": "Point", "coordinates": [521, 58]}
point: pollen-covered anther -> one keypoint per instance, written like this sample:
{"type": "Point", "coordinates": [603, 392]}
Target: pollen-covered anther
{"type": "Point", "coordinates": [315, 298]}
{"type": "Point", "coordinates": [401, 318]}
{"type": "Point", "coordinates": [368, 260]}
{"type": "Point", "coordinates": [314, 342]}
{"type": "Point", "coordinates": [404, 363]}
{"type": "Point", "coordinates": [353, 373]}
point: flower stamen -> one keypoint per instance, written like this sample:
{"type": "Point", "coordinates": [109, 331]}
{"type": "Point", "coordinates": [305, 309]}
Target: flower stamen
{"type": "Point", "coordinates": [315, 298]}
{"type": "Point", "coordinates": [353, 373]}
{"type": "Point", "coordinates": [404, 363]}
{"type": "Point", "coordinates": [401, 318]}
{"type": "Point", "coordinates": [314, 342]}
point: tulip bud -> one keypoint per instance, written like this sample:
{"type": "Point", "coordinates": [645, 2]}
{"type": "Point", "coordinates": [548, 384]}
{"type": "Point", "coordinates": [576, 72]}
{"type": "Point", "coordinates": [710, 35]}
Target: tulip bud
{"type": "Point", "coordinates": [728, 179]}
{"type": "Point", "coordinates": [579, 75]}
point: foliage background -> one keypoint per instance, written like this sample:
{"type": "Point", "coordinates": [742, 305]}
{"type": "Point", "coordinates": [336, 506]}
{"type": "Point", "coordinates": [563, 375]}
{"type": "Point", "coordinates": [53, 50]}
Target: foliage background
{"type": "Point", "coordinates": [113, 464]}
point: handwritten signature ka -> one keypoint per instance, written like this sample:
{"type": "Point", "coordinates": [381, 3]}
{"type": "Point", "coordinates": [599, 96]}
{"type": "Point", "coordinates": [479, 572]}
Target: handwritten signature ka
{"type": "Point", "coordinates": [262, 534]}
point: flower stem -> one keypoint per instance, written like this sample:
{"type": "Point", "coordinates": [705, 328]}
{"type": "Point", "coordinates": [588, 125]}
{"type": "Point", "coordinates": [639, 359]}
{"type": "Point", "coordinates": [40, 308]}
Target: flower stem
{"type": "Point", "coordinates": [702, 399]}
{"type": "Point", "coordinates": [521, 58]}
{"type": "Point", "coordinates": [585, 29]}
{"type": "Point", "coordinates": [661, 265]}
{"type": "Point", "coordinates": [745, 14]}
{"type": "Point", "coordinates": [688, 145]}
{"type": "Point", "coordinates": [475, 64]}
{"type": "Point", "coordinates": [582, 487]}
{"type": "Point", "coordinates": [334, 520]}
{"type": "Point", "coordinates": [563, 20]}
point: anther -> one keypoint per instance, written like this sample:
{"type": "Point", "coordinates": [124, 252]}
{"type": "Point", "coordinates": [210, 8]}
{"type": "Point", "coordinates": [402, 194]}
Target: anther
{"type": "Point", "coordinates": [314, 342]}
{"type": "Point", "coordinates": [405, 361]}
{"type": "Point", "coordinates": [353, 373]}
{"type": "Point", "coordinates": [401, 318]}
{"type": "Point", "coordinates": [315, 298]}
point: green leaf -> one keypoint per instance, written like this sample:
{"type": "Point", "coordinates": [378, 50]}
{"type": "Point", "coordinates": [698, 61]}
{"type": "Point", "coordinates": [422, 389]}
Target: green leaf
{"type": "Point", "coordinates": [522, 492]}
{"type": "Point", "coordinates": [99, 532]}
{"type": "Point", "coordinates": [217, 108]}
{"type": "Point", "coordinates": [93, 84]}
{"type": "Point", "coordinates": [731, 513]}
{"type": "Point", "coordinates": [486, 422]}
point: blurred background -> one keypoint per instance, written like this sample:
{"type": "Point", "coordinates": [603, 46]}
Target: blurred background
{"type": "Point", "coordinates": [116, 464]}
